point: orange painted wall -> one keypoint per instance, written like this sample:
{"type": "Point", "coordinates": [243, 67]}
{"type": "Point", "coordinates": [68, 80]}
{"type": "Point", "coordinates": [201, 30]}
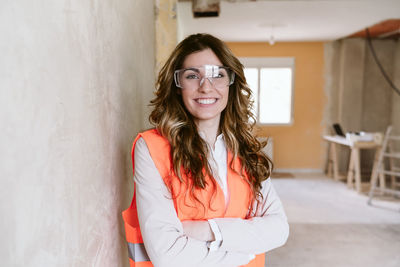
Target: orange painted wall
{"type": "Point", "coordinates": [298, 146]}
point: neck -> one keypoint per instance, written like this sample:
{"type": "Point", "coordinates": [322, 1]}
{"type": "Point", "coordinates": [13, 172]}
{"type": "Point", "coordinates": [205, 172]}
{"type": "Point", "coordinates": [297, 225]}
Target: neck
{"type": "Point", "coordinates": [210, 130]}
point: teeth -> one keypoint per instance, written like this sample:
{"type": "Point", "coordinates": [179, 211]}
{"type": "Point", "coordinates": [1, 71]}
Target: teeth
{"type": "Point", "coordinates": [206, 100]}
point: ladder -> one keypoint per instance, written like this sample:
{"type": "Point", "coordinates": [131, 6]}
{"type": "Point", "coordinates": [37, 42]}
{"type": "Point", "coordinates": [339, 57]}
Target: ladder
{"type": "Point", "coordinates": [387, 151]}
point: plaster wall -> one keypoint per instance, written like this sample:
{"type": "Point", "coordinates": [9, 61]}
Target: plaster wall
{"type": "Point", "coordinates": [331, 71]}
{"type": "Point", "coordinates": [333, 85]}
{"type": "Point", "coordinates": [377, 93]}
{"type": "Point", "coordinates": [364, 99]}
{"type": "Point", "coordinates": [351, 74]}
{"type": "Point", "coordinates": [296, 146]}
{"type": "Point", "coordinates": [395, 118]}
{"type": "Point", "coordinates": [75, 76]}
{"type": "Point", "coordinates": [166, 30]}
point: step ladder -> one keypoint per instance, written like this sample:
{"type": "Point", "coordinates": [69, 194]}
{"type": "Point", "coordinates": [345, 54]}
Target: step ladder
{"type": "Point", "coordinates": [387, 152]}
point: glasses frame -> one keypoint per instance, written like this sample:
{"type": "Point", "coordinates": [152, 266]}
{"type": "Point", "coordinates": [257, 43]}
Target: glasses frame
{"type": "Point", "coordinates": [229, 70]}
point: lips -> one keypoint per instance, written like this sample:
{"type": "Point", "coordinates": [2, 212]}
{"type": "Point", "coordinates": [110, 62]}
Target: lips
{"type": "Point", "coordinates": [206, 101]}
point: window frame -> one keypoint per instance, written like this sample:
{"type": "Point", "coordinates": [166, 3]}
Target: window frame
{"type": "Point", "coordinates": [271, 62]}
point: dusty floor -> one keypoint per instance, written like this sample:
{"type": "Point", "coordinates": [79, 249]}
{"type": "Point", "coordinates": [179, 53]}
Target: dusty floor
{"type": "Point", "coordinates": [331, 225]}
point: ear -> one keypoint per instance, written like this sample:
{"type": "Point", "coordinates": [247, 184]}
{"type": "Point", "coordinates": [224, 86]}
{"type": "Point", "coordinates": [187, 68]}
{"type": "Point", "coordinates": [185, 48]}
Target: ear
{"type": "Point", "coordinates": [178, 91]}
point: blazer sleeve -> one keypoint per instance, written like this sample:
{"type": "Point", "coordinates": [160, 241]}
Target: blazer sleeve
{"type": "Point", "coordinates": [162, 231]}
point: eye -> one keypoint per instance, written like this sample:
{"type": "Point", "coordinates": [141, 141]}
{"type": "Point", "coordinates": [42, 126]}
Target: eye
{"type": "Point", "coordinates": [221, 74]}
{"type": "Point", "coordinates": [191, 76]}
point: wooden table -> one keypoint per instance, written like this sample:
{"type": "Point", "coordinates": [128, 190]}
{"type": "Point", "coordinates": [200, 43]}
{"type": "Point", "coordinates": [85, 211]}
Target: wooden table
{"type": "Point", "coordinates": [354, 170]}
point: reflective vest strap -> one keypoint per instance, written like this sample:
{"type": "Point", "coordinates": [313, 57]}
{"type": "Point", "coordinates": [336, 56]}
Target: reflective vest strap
{"type": "Point", "coordinates": [137, 252]}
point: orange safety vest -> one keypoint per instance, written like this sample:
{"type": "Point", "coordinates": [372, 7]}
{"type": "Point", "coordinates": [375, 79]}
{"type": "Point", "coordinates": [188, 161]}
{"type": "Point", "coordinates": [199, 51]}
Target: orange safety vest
{"type": "Point", "coordinates": [186, 208]}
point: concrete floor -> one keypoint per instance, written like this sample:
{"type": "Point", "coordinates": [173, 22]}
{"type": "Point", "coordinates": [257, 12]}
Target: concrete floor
{"type": "Point", "coordinates": [331, 225]}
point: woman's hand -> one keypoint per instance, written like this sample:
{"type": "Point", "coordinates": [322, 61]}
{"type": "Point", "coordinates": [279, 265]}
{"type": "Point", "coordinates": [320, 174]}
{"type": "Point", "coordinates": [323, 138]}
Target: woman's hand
{"type": "Point", "coordinates": [199, 230]}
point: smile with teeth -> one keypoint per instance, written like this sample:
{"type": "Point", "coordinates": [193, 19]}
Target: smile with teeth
{"type": "Point", "coordinates": [206, 101]}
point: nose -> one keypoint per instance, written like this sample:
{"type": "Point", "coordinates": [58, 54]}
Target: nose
{"type": "Point", "coordinates": [205, 84]}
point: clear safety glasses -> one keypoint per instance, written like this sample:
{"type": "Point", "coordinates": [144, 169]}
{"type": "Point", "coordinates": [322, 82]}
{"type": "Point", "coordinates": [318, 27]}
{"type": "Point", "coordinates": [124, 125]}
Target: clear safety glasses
{"type": "Point", "coordinates": [193, 78]}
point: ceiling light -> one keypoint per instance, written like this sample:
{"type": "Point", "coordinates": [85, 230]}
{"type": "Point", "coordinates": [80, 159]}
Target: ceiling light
{"type": "Point", "coordinates": [271, 40]}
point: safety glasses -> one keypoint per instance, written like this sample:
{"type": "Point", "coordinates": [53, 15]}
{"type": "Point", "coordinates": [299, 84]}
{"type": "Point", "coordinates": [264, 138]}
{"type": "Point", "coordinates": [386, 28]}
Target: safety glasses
{"type": "Point", "coordinates": [194, 77]}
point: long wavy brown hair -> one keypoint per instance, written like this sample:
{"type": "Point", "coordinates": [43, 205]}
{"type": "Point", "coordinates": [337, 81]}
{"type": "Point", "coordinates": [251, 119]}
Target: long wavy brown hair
{"type": "Point", "coordinates": [188, 150]}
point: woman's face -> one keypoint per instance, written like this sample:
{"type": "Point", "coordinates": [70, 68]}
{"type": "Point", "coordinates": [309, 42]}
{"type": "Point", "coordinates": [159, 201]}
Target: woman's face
{"type": "Point", "coordinates": [206, 102]}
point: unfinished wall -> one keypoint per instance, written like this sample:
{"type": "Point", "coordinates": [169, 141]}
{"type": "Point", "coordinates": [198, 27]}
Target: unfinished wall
{"type": "Point", "coordinates": [344, 77]}
{"type": "Point", "coordinates": [377, 94]}
{"type": "Point", "coordinates": [395, 118]}
{"type": "Point", "coordinates": [332, 67]}
{"type": "Point", "coordinates": [298, 146]}
{"type": "Point", "coordinates": [334, 86]}
{"type": "Point", "coordinates": [364, 99]}
{"type": "Point", "coordinates": [351, 76]}
{"type": "Point", "coordinates": [166, 30]}
{"type": "Point", "coordinates": [75, 76]}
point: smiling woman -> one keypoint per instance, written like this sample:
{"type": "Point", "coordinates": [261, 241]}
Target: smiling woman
{"type": "Point", "coordinates": [205, 90]}
{"type": "Point", "coordinates": [200, 175]}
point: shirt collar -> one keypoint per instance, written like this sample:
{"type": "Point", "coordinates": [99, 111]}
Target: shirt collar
{"type": "Point", "coordinates": [203, 136]}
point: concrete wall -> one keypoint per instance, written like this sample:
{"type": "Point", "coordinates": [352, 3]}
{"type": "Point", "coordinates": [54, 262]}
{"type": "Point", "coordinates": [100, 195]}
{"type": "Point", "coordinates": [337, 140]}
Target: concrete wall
{"type": "Point", "coordinates": [377, 93]}
{"type": "Point", "coordinates": [75, 76]}
{"type": "Point", "coordinates": [344, 76]}
{"type": "Point", "coordinates": [333, 88]}
{"type": "Point", "coordinates": [351, 74]}
{"type": "Point", "coordinates": [166, 30]}
{"type": "Point", "coordinates": [331, 76]}
{"type": "Point", "coordinates": [355, 85]}
{"type": "Point", "coordinates": [395, 119]}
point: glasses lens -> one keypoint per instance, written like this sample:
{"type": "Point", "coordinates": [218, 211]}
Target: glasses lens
{"type": "Point", "coordinates": [193, 78]}
{"type": "Point", "coordinates": [221, 79]}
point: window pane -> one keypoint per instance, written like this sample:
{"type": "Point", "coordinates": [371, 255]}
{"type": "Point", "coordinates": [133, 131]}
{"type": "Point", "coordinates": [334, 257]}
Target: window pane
{"type": "Point", "coordinates": [251, 75]}
{"type": "Point", "coordinates": [275, 95]}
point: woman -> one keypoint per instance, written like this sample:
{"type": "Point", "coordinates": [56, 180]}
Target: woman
{"type": "Point", "coordinates": [203, 193]}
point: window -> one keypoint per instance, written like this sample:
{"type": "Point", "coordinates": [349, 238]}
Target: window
{"type": "Point", "coordinates": [271, 81]}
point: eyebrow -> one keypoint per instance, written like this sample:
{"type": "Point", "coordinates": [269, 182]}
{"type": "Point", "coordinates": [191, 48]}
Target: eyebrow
{"type": "Point", "coordinates": [197, 69]}
{"type": "Point", "coordinates": [193, 69]}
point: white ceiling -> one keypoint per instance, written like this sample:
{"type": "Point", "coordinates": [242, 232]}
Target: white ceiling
{"type": "Point", "coordinates": [287, 20]}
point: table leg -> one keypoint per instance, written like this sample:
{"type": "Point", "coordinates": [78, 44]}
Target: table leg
{"type": "Point", "coordinates": [335, 163]}
{"type": "Point", "coordinates": [358, 169]}
{"type": "Point", "coordinates": [350, 172]}
{"type": "Point", "coordinates": [330, 160]}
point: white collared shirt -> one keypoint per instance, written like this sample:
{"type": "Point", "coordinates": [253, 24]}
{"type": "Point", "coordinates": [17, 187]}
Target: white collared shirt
{"type": "Point", "coordinates": [218, 161]}
{"type": "Point", "coordinates": [165, 240]}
